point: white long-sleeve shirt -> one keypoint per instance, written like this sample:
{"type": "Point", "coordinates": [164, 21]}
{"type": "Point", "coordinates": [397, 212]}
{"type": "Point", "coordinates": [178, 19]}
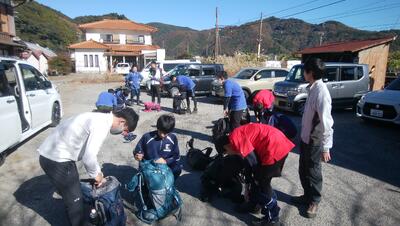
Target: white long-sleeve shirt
{"type": "Point", "coordinates": [318, 101]}
{"type": "Point", "coordinates": [78, 138]}
{"type": "Point", "coordinates": [155, 80]}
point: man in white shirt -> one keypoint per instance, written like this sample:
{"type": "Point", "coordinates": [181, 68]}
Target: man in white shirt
{"type": "Point", "coordinates": [316, 136]}
{"type": "Point", "coordinates": [79, 138]}
{"type": "Point", "coordinates": [155, 81]}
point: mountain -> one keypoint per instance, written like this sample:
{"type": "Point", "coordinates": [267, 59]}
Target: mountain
{"type": "Point", "coordinates": [48, 27]}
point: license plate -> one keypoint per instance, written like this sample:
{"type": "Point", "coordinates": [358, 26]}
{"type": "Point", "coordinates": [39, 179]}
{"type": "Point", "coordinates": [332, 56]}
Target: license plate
{"type": "Point", "coordinates": [376, 113]}
{"type": "Point", "coordinates": [213, 93]}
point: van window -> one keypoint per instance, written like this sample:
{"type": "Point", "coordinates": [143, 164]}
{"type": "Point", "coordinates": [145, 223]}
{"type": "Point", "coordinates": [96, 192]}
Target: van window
{"type": "Point", "coordinates": [194, 72]}
{"type": "Point", "coordinates": [331, 74]}
{"type": "Point", "coordinates": [33, 80]}
{"type": "Point", "coordinates": [347, 73]}
{"type": "Point", "coordinates": [280, 73]}
{"type": "Point", "coordinates": [208, 71]}
{"type": "Point", "coordinates": [168, 67]}
{"type": "Point", "coordinates": [245, 74]}
{"type": "Point", "coordinates": [360, 72]}
{"type": "Point", "coordinates": [4, 87]}
{"type": "Point", "coordinates": [265, 74]}
{"type": "Point", "coordinates": [296, 74]}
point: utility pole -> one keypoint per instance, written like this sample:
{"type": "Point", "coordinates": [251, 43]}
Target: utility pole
{"type": "Point", "coordinates": [216, 51]}
{"type": "Point", "coordinates": [321, 38]}
{"type": "Point", "coordinates": [259, 38]}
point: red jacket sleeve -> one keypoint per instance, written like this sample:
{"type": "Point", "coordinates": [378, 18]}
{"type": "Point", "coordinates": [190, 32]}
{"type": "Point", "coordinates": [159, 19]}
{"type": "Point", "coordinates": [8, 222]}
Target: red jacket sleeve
{"type": "Point", "coordinates": [240, 143]}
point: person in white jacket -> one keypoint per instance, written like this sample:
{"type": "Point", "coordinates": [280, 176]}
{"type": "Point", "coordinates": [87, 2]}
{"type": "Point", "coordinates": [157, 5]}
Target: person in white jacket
{"type": "Point", "coordinates": [155, 82]}
{"type": "Point", "coordinates": [79, 138]}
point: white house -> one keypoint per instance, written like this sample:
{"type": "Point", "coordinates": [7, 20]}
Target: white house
{"type": "Point", "coordinates": [38, 56]}
{"type": "Point", "coordinates": [108, 42]}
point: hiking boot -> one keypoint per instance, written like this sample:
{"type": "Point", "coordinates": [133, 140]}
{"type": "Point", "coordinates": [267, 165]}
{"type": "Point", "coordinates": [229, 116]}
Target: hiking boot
{"type": "Point", "coordinates": [195, 110]}
{"type": "Point", "coordinates": [265, 222]}
{"type": "Point", "coordinates": [312, 210]}
{"type": "Point", "coordinates": [248, 207]}
{"type": "Point", "coordinates": [299, 200]}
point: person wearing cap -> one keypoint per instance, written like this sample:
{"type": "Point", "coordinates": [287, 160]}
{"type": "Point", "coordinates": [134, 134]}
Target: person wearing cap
{"type": "Point", "coordinates": [80, 138]}
{"type": "Point", "coordinates": [265, 149]}
{"type": "Point", "coordinates": [263, 100]}
{"type": "Point", "coordinates": [234, 100]}
{"type": "Point", "coordinates": [187, 85]}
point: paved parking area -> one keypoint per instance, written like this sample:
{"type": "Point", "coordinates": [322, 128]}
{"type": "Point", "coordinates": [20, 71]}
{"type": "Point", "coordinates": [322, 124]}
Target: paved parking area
{"type": "Point", "coordinates": [361, 183]}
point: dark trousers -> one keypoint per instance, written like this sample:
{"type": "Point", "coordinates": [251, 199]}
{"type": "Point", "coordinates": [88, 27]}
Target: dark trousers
{"type": "Point", "coordinates": [235, 117]}
{"type": "Point", "coordinates": [64, 176]}
{"type": "Point", "coordinates": [135, 92]}
{"type": "Point", "coordinates": [258, 114]}
{"type": "Point", "coordinates": [190, 93]}
{"type": "Point", "coordinates": [155, 91]}
{"type": "Point", "coordinates": [310, 171]}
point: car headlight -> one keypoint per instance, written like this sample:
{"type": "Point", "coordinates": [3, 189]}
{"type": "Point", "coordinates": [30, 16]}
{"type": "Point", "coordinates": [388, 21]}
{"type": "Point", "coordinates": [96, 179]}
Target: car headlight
{"type": "Point", "coordinates": [294, 91]}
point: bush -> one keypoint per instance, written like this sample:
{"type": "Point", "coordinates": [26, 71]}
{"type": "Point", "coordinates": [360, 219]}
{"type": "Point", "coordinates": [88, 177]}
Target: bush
{"type": "Point", "coordinates": [60, 65]}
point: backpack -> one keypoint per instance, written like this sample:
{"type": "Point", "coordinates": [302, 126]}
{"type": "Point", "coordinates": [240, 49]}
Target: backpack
{"type": "Point", "coordinates": [283, 123]}
{"type": "Point", "coordinates": [106, 201]}
{"type": "Point", "coordinates": [196, 158]}
{"type": "Point", "coordinates": [220, 128]}
{"type": "Point", "coordinates": [154, 191]}
{"type": "Point", "coordinates": [224, 176]}
{"type": "Point", "coordinates": [178, 105]}
{"type": "Point", "coordinates": [150, 106]}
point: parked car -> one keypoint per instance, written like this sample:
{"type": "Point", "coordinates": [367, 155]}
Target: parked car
{"type": "Point", "coordinates": [28, 102]}
{"type": "Point", "coordinates": [165, 66]}
{"type": "Point", "coordinates": [382, 105]}
{"type": "Point", "coordinates": [122, 68]}
{"type": "Point", "coordinates": [252, 79]}
{"type": "Point", "coordinates": [202, 74]}
{"type": "Point", "coordinates": [346, 82]}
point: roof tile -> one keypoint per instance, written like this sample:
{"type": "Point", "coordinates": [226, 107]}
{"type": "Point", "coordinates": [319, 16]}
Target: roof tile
{"type": "Point", "coordinates": [118, 25]}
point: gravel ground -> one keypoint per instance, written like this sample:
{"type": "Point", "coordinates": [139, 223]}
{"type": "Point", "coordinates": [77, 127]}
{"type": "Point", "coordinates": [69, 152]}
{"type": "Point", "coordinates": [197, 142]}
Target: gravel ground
{"type": "Point", "coordinates": [361, 183]}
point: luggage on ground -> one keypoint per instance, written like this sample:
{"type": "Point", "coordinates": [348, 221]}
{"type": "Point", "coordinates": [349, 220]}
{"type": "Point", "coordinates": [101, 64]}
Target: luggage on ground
{"type": "Point", "coordinates": [107, 207]}
{"type": "Point", "coordinates": [178, 102]}
{"type": "Point", "coordinates": [150, 106]}
{"type": "Point", "coordinates": [154, 191]}
{"type": "Point", "coordinates": [283, 123]}
{"type": "Point", "coordinates": [196, 158]}
{"type": "Point", "coordinates": [221, 127]}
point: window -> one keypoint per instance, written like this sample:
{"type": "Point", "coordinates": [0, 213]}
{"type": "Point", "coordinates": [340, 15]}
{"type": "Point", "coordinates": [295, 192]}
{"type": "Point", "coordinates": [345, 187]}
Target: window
{"type": "Point", "coordinates": [194, 72]}
{"type": "Point", "coordinates": [115, 38]}
{"type": "Point", "coordinates": [96, 60]}
{"type": "Point", "coordinates": [141, 39]}
{"type": "Point", "coordinates": [208, 71]}
{"type": "Point", "coordinates": [91, 60]}
{"type": "Point", "coordinates": [33, 80]}
{"type": "Point", "coordinates": [85, 59]}
{"type": "Point", "coordinates": [4, 87]}
{"type": "Point", "coordinates": [245, 74]}
{"type": "Point", "coordinates": [168, 67]}
{"type": "Point", "coordinates": [265, 74]}
{"type": "Point", "coordinates": [360, 72]}
{"type": "Point", "coordinates": [280, 73]}
{"type": "Point", "coordinates": [347, 73]}
{"type": "Point", "coordinates": [331, 74]}
{"type": "Point", "coordinates": [134, 39]}
{"type": "Point", "coordinates": [107, 38]}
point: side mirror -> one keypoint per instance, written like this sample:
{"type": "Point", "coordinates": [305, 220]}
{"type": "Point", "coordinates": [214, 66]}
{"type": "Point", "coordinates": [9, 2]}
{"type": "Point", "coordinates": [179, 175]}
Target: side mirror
{"type": "Point", "coordinates": [257, 77]}
{"type": "Point", "coordinates": [47, 84]}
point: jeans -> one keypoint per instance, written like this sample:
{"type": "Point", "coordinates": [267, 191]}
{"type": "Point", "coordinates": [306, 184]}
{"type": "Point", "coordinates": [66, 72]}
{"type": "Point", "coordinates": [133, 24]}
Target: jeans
{"type": "Point", "coordinates": [135, 92]}
{"type": "Point", "coordinates": [64, 176]}
{"type": "Point", "coordinates": [155, 91]}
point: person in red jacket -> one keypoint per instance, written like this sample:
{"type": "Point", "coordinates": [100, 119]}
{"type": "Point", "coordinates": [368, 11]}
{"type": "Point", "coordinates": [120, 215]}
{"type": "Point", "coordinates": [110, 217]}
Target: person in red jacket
{"type": "Point", "coordinates": [265, 148]}
{"type": "Point", "coordinates": [264, 99]}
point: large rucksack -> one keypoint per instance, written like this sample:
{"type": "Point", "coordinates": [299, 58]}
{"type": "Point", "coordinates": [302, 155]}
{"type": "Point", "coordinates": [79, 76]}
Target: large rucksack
{"type": "Point", "coordinates": [196, 158]}
{"type": "Point", "coordinates": [224, 176]}
{"type": "Point", "coordinates": [154, 191]}
{"type": "Point", "coordinates": [178, 104]}
{"type": "Point", "coordinates": [106, 202]}
{"type": "Point", "coordinates": [283, 123]}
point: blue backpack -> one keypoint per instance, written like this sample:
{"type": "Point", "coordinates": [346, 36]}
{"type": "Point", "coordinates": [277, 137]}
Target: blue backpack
{"type": "Point", "coordinates": [283, 123]}
{"type": "Point", "coordinates": [106, 201]}
{"type": "Point", "coordinates": [154, 191]}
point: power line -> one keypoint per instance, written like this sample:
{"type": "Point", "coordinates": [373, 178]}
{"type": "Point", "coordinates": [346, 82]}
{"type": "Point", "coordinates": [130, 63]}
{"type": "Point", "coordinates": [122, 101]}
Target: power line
{"type": "Point", "coordinates": [315, 8]}
{"type": "Point", "coordinates": [293, 7]}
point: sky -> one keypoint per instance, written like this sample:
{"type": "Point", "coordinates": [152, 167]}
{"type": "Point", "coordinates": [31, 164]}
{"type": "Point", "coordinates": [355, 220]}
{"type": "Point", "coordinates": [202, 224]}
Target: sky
{"type": "Point", "coordinates": [362, 14]}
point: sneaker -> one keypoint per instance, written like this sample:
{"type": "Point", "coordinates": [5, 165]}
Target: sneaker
{"type": "Point", "coordinates": [189, 111]}
{"type": "Point", "coordinates": [195, 110]}
{"type": "Point", "coordinates": [312, 210]}
{"type": "Point", "coordinates": [248, 207]}
{"type": "Point", "coordinates": [265, 222]}
{"type": "Point", "coordinates": [299, 200]}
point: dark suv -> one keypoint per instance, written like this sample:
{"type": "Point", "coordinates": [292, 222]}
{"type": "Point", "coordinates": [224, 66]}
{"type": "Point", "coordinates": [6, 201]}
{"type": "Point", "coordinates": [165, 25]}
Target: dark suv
{"type": "Point", "coordinates": [202, 74]}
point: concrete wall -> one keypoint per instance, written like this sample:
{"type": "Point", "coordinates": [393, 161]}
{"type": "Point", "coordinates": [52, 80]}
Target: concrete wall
{"type": "Point", "coordinates": [79, 57]}
{"type": "Point", "coordinates": [376, 57]}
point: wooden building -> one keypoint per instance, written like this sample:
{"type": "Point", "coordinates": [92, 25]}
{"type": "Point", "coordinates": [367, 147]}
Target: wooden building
{"type": "Point", "coordinates": [373, 52]}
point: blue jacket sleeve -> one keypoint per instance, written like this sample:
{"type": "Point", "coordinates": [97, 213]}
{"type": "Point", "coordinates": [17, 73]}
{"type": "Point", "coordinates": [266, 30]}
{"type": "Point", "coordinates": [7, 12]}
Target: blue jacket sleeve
{"type": "Point", "coordinates": [115, 101]}
{"type": "Point", "coordinates": [175, 153]}
{"type": "Point", "coordinates": [228, 89]}
{"type": "Point", "coordinates": [140, 146]}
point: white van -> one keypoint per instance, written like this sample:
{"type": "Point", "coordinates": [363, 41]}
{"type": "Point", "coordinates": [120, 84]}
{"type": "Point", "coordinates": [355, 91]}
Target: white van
{"type": "Point", "coordinates": [28, 103]}
{"type": "Point", "coordinates": [165, 66]}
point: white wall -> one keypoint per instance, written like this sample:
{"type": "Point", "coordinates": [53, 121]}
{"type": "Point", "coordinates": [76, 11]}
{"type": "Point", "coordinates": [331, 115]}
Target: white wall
{"type": "Point", "coordinates": [80, 61]}
{"type": "Point", "coordinates": [147, 40]}
{"type": "Point", "coordinates": [43, 64]}
{"type": "Point", "coordinates": [95, 35]}
{"type": "Point", "coordinates": [160, 54]}
{"type": "Point", "coordinates": [33, 61]}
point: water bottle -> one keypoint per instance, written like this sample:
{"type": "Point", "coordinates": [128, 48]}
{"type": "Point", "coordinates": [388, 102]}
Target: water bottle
{"type": "Point", "coordinates": [93, 216]}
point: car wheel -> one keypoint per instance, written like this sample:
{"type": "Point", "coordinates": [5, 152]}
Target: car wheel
{"type": "Point", "coordinates": [55, 115]}
{"type": "Point", "coordinates": [2, 158]}
{"type": "Point", "coordinates": [300, 108]}
{"type": "Point", "coordinates": [246, 95]}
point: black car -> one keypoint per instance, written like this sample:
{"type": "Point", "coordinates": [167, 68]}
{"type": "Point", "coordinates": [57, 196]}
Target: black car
{"type": "Point", "coordinates": [201, 74]}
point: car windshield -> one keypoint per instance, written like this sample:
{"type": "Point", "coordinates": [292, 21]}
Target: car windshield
{"type": "Point", "coordinates": [168, 67]}
{"type": "Point", "coordinates": [245, 74]}
{"type": "Point", "coordinates": [395, 85]}
{"type": "Point", "coordinates": [296, 74]}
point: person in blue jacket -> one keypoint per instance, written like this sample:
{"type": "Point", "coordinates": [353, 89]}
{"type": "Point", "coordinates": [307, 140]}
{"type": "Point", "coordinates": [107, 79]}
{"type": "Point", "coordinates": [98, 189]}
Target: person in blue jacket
{"type": "Point", "coordinates": [106, 101]}
{"type": "Point", "coordinates": [187, 85]}
{"type": "Point", "coordinates": [121, 96]}
{"type": "Point", "coordinates": [234, 101]}
{"type": "Point", "coordinates": [133, 80]}
{"type": "Point", "coordinates": [161, 145]}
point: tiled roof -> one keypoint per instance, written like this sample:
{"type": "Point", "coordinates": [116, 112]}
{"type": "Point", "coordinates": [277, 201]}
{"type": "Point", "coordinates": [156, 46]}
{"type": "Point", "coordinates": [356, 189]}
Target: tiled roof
{"type": "Point", "coordinates": [88, 45]}
{"type": "Point", "coordinates": [118, 25]}
{"type": "Point", "coordinates": [350, 46]}
{"type": "Point", "coordinates": [46, 51]}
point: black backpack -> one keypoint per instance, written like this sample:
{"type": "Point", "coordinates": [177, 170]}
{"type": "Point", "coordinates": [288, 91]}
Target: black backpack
{"type": "Point", "coordinates": [196, 158]}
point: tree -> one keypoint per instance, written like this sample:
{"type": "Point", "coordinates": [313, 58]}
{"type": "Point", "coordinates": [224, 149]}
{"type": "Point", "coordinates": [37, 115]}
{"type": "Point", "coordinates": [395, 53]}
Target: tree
{"type": "Point", "coordinates": [60, 64]}
{"type": "Point", "coordinates": [394, 61]}
{"type": "Point", "coordinates": [17, 3]}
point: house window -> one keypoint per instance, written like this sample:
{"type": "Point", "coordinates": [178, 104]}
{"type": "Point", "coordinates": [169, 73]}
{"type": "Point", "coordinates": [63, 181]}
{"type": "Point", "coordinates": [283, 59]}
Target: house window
{"type": "Point", "coordinates": [91, 60]}
{"type": "Point", "coordinates": [96, 60]}
{"type": "Point", "coordinates": [141, 39]}
{"type": "Point", "coordinates": [134, 39]}
{"type": "Point", "coordinates": [85, 59]}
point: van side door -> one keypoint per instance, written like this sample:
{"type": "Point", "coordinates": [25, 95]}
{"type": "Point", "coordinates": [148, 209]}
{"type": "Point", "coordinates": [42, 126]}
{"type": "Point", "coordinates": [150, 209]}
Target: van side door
{"type": "Point", "coordinates": [347, 88]}
{"type": "Point", "coordinates": [206, 78]}
{"type": "Point", "coordinates": [266, 80]}
{"type": "Point", "coordinates": [331, 79]}
{"type": "Point", "coordinates": [10, 121]}
{"type": "Point", "coordinates": [37, 96]}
